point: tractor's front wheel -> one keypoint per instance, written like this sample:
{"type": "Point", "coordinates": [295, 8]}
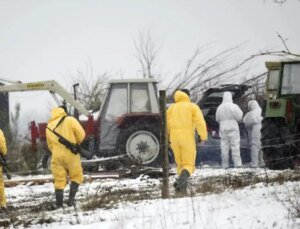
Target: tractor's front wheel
{"type": "Point", "coordinates": [275, 138]}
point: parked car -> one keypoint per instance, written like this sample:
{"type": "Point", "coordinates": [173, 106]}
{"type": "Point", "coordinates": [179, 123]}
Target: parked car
{"type": "Point", "coordinates": [210, 151]}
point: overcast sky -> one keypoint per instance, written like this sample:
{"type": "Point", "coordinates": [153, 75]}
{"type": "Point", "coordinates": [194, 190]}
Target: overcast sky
{"type": "Point", "coordinates": [47, 39]}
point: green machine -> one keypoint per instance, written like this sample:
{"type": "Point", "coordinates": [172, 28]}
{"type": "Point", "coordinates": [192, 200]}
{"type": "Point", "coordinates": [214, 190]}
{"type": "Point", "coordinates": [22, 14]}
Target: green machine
{"type": "Point", "coordinates": [281, 111]}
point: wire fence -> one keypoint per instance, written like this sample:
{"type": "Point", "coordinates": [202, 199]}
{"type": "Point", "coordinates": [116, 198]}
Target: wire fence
{"type": "Point", "coordinates": [275, 160]}
{"type": "Point", "coordinates": [280, 138]}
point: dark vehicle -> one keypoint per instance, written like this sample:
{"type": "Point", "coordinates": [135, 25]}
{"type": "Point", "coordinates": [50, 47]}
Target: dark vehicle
{"type": "Point", "coordinates": [210, 151]}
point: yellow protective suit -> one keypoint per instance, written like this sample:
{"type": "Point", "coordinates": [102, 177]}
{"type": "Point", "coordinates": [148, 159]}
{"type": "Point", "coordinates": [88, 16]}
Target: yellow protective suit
{"type": "Point", "coordinates": [3, 150]}
{"type": "Point", "coordinates": [64, 163]}
{"type": "Point", "coordinates": [183, 117]}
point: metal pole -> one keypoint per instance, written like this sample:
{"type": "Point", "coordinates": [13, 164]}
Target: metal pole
{"type": "Point", "coordinates": [76, 113]}
{"type": "Point", "coordinates": [164, 145]}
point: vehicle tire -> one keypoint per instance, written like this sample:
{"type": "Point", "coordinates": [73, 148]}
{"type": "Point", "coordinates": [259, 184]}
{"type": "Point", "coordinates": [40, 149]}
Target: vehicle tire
{"type": "Point", "coordinates": [141, 144]}
{"type": "Point", "coordinates": [276, 152]}
{"type": "Point", "coordinates": [88, 148]}
{"type": "Point", "coordinates": [46, 160]}
{"type": "Point", "coordinates": [90, 168]}
{"type": "Point", "coordinates": [112, 166]}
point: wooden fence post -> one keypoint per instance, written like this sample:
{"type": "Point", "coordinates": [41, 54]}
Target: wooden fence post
{"type": "Point", "coordinates": [164, 144]}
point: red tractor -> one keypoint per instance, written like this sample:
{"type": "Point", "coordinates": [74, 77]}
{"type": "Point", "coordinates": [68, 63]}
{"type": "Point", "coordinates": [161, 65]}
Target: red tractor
{"type": "Point", "coordinates": [127, 127]}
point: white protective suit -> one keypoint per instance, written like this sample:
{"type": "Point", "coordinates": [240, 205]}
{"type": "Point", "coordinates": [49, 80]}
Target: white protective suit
{"type": "Point", "coordinates": [252, 122]}
{"type": "Point", "coordinates": [228, 115]}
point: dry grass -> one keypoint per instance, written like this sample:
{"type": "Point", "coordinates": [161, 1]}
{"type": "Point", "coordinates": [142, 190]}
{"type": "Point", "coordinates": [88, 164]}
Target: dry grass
{"type": "Point", "coordinates": [291, 201]}
{"type": "Point", "coordinates": [14, 215]}
{"type": "Point", "coordinates": [107, 199]}
{"type": "Point", "coordinates": [110, 199]}
{"type": "Point", "coordinates": [218, 184]}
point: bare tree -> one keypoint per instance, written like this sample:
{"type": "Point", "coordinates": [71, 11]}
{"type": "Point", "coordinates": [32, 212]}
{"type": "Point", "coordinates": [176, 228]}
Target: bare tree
{"type": "Point", "coordinates": [279, 1]}
{"type": "Point", "coordinates": [285, 53]}
{"type": "Point", "coordinates": [203, 71]}
{"type": "Point", "coordinates": [14, 127]}
{"type": "Point", "coordinates": [147, 54]}
{"type": "Point", "coordinates": [92, 87]}
{"type": "Point", "coordinates": [13, 140]}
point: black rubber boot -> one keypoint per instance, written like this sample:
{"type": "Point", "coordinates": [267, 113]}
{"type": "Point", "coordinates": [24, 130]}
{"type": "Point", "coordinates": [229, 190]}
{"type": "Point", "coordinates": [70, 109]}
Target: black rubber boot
{"type": "Point", "coordinates": [3, 210]}
{"type": "Point", "coordinates": [59, 195]}
{"type": "Point", "coordinates": [73, 189]}
{"type": "Point", "coordinates": [182, 182]}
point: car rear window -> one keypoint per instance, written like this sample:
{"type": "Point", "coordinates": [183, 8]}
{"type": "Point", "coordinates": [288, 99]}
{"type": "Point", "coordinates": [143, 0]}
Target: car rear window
{"type": "Point", "coordinates": [215, 98]}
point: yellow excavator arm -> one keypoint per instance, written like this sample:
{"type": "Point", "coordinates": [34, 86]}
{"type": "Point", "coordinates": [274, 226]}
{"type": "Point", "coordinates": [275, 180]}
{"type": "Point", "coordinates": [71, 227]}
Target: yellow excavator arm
{"type": "Point", "coordinates": [52, 86]}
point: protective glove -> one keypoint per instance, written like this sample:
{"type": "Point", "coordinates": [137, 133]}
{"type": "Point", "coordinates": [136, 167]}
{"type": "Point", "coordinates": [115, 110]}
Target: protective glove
{"type": "Point", "coordinates": [202, 143]}
{"type": "Point", "coordinates": [4, 157]}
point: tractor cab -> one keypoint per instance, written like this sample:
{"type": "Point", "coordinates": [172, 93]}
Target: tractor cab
{"type": "Point", "coordinates": [129, 120]}
{"type": "Point", "coordinates": [283, 91]}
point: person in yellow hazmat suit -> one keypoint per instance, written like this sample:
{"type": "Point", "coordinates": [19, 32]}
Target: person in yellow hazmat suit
{"type": "Point", "coordinates": [3, 150]}
{"type": "Point", "coordinates": [183, 118]}
{"type": "Point", "coordinates": [64, 162]}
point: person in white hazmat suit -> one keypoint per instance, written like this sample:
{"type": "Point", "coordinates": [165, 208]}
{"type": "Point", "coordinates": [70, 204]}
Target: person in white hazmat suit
{"type": "Point", "coordinates": [252, 122]}
{"type": "Point", "coordinates": [228, 115]}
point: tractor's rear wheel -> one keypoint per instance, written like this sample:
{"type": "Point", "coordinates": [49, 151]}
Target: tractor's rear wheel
{"type": "Point", "coordinates": [275, 137]}
{"type": "Point", "coordinates": [141, 144]}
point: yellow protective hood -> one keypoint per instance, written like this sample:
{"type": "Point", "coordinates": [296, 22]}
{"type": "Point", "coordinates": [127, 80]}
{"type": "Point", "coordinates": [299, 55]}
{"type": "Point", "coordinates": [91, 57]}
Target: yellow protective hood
{"type": "Point", "coordinates": [181, 97]}
{"type": "Point", "coordinates": [56, 113]}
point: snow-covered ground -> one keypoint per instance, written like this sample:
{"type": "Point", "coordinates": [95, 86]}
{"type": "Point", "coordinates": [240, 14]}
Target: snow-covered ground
{"type": "Point", "coordinates": [217, 198]}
